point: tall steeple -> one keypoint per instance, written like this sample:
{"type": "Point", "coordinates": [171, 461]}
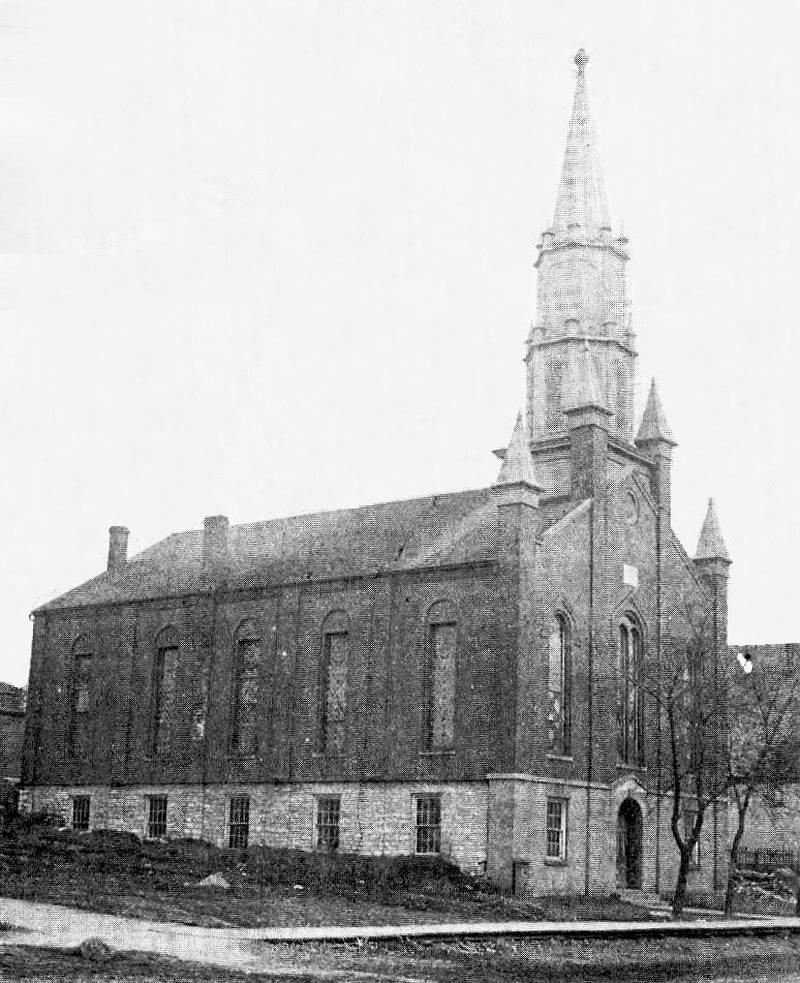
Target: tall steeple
{"type": "Point", "coordinates": [581, 202]}
{"type": "Point", "coordinates": [582, 304]}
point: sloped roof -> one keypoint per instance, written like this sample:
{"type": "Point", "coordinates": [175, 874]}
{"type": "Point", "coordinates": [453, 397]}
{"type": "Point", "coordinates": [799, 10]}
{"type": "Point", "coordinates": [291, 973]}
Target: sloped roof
{"type": "Point", "coordinates": [654, 425]}
{"type": "Point", "coordinates": [435, 531]}
{"type": "Point", "coordinates": [517, 466]}
{"type": "Point", "coordinates": [711, 545]}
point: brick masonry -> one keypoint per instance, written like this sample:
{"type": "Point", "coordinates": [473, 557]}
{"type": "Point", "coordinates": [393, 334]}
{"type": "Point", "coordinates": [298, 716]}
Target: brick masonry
{"type": "Point", "coordinates": [504, 560]}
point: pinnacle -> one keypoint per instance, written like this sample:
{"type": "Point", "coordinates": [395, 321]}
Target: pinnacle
{"type": "Point", "coordinates": [581, 198]}
{"type": "Point", "coordinates": [654, 424]}
{"type": "Point", "coordinates": [711, 545]}
{"type": "Point", "coordinates": [517, 466]}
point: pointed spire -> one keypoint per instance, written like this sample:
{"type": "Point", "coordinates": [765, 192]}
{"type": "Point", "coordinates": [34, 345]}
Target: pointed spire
{"type": "Point", "coordinates": [711, 545]}
{"type": "Point", "coordinates": [584, 389]}
{"type": "Point", "coordinates": [581, 195]}
{"type": "Point", "coordinates": [517, 466]}
{"type": "Point", "coordinates": [654, 424]}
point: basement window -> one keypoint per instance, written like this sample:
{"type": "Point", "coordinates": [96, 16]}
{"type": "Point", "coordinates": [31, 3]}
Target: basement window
{"type": "Point", "coordinates": [556, 829]}
{"type": "Point", "coordinates": [156, 816]}
{"type": "Point", "coordinates": [429, 824]}
{"type": "Point", "coordinates": [80, 812]}
{"type": "Point", "coordinates": [328, 814]}
{"type": "Point", "coordinates": [239, 825]}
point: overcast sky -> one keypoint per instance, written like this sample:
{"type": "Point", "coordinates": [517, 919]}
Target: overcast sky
{"type": "Point", "coordinates": [265, 257]}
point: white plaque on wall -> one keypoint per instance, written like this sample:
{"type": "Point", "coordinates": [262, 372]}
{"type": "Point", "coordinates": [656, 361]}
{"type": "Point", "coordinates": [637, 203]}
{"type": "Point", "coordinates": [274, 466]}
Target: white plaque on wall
{"type": "Point", "coordinates": [630, 576]}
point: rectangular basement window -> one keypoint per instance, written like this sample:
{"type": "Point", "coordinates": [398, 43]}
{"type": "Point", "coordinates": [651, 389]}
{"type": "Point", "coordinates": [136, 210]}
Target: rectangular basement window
{"type": "Point", "coordinates": [556, 829]}
{"type": "Point", "coordinates": [80, 812]}
{"type": "Point", "coordinates": [429, 824]}
{"type": "Point", "coordinates": [156, 816]}
{"type": "Point", "coordinates": [239, 825]}
{"type": "Point", "coordinates": [329, 810]}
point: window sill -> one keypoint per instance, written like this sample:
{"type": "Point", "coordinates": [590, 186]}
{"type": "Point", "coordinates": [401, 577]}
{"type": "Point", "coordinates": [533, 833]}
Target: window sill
{"type": "Point", "coordinates": [555, 862]}
{"type": "Point", "coordinates": [432, 753]}
{"type": "Point", "coordinates": [559, 757]}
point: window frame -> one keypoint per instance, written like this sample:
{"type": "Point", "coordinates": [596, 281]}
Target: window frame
{"type": "Point", "coordinates": [151, 801]}
{"type": "Point", "coordinates": [630, 656]}
{"type": "Point", "coordinates": [167, 641]}
{"type": "Point", "coordinates": [83, 825]}
{"type": "Point", "coordinates": [327, 821]}
{"type": "Point", "coordinates": [239, 827]}
{"type": "Point", "coordinates": [560, 700]}
{"type": "Point", "coordinates": [331, 734]}
{"type": "Point", "coordinates": [245, 635]}
{"type": "Point", "coordinates": [441, 615]}
{"type": "Point", "coordinates": [561, 829]}
{"type": "Point", "coordinates": [428, 806]}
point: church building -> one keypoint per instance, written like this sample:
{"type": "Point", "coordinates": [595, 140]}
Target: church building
{"type": "Point", "coordinates": [461, 675]}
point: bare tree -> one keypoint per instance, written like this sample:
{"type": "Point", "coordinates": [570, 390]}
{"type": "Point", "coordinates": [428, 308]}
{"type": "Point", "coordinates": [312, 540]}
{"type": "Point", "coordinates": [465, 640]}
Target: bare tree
{"type": "Point", "coordinates": [761, 745]}
{"type": "Point", "coordinates": [686, 689]}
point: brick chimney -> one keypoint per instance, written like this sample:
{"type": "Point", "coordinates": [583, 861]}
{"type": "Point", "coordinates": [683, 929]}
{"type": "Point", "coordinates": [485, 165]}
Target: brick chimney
{"type": "Point", "coordinates": [215, 541]}
{"type": "Point", "coordinates": [117, 549]}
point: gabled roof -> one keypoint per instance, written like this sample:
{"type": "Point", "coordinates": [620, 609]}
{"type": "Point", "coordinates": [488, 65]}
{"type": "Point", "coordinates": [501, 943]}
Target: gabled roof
{"type": "Point", "coordinates": [711, 545]}
{"type": "Point", "coordinates": [458, 528]}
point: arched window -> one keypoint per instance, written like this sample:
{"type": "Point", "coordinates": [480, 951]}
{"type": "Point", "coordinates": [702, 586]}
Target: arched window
{"type": "Point", "coordinates": [621, 397]}
{"type": "Point", "coordinates": [559, 687]}
{"type": "Point", "coordinates": [80, 693]}
{"type": "Point", "coordinates": [332, 701]}
{"type": "Point", "coordinates": [554, 386]}
{"type": "Point", "coordinates": [165, 664]}
{"type": "Point", "coordinates": [630, 729]}
{"type": "Point", "coordinates": [440, 676]}
{"type": "Point", "coordinates": [244, 708]}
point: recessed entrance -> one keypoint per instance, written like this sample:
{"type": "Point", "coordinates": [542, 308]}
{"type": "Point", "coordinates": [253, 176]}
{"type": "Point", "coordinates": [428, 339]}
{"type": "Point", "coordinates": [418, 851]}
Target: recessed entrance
{"type": "Point", "coordinates": [629, 845]}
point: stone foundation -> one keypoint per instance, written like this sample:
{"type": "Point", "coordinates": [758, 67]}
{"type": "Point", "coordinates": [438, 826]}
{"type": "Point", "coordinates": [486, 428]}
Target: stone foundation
{"type": "Point", "coordinates": [498, 826]}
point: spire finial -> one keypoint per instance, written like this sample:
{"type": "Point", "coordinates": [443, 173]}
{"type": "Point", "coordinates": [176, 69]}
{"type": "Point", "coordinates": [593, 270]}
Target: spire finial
{"type": "Point", "coordinates": [581, 58]}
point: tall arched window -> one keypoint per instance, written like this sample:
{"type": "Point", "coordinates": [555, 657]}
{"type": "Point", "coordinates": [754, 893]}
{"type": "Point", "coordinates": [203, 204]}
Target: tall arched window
{"type": "Point", "coordinates": [332, 702]}
{"type": "Point", "coordinates": [554, 392]}
{"type": "Point", "coordinates": [165, 664]}
{"type": "Point", "coordinates": [621, 397]}
{"type": "Point", "coordinates": [440, 676]}
{"type": "Point", "coordinates": [559, 687]}
{"type": "Point", "coordinates": [244, 708]}
{"type": "Point", "coordinates": [631, 719]}
{"type": "Point", "coordinates": [80, 693]}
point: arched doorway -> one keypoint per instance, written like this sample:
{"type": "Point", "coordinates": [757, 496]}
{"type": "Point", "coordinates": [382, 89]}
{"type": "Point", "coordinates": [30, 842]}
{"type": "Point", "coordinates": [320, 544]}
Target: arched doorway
{"type": "Point", "coordinates": [629, 845]}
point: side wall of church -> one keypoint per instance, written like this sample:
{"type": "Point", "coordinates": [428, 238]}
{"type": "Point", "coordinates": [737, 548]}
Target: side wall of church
{"type": "Point", "coordinates": [387, 656]}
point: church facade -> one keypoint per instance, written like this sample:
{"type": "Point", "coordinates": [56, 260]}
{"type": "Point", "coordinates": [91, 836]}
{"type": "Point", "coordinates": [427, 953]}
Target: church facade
{"type": "Point", "coordinates": [459, 675]}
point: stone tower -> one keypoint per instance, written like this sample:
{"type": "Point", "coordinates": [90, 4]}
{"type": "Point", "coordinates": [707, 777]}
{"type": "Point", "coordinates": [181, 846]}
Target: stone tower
{"type": "Point", "coordinates": [581, 304]}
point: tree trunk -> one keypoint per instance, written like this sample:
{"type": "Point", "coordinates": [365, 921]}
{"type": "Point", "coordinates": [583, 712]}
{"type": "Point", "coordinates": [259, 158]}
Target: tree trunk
{"type": "Point", "coordinates": [732, 868]}
{"type": "Point", "coordinates": [679, 897]}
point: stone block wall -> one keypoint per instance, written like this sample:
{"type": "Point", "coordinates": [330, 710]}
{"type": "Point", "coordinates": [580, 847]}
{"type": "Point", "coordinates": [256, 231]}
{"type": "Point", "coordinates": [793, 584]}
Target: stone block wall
{"type": "Point", "coordinates": [376, 819]}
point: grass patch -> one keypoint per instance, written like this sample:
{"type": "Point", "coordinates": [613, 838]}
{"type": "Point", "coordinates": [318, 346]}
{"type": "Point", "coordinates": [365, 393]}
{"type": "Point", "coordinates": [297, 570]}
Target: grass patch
{"type": "Point", "coordinates": [118, 873]}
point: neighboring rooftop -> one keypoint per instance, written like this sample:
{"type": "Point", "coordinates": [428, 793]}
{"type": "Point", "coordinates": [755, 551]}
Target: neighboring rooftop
{"type": "Point", "coordinates": [12, 699]}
